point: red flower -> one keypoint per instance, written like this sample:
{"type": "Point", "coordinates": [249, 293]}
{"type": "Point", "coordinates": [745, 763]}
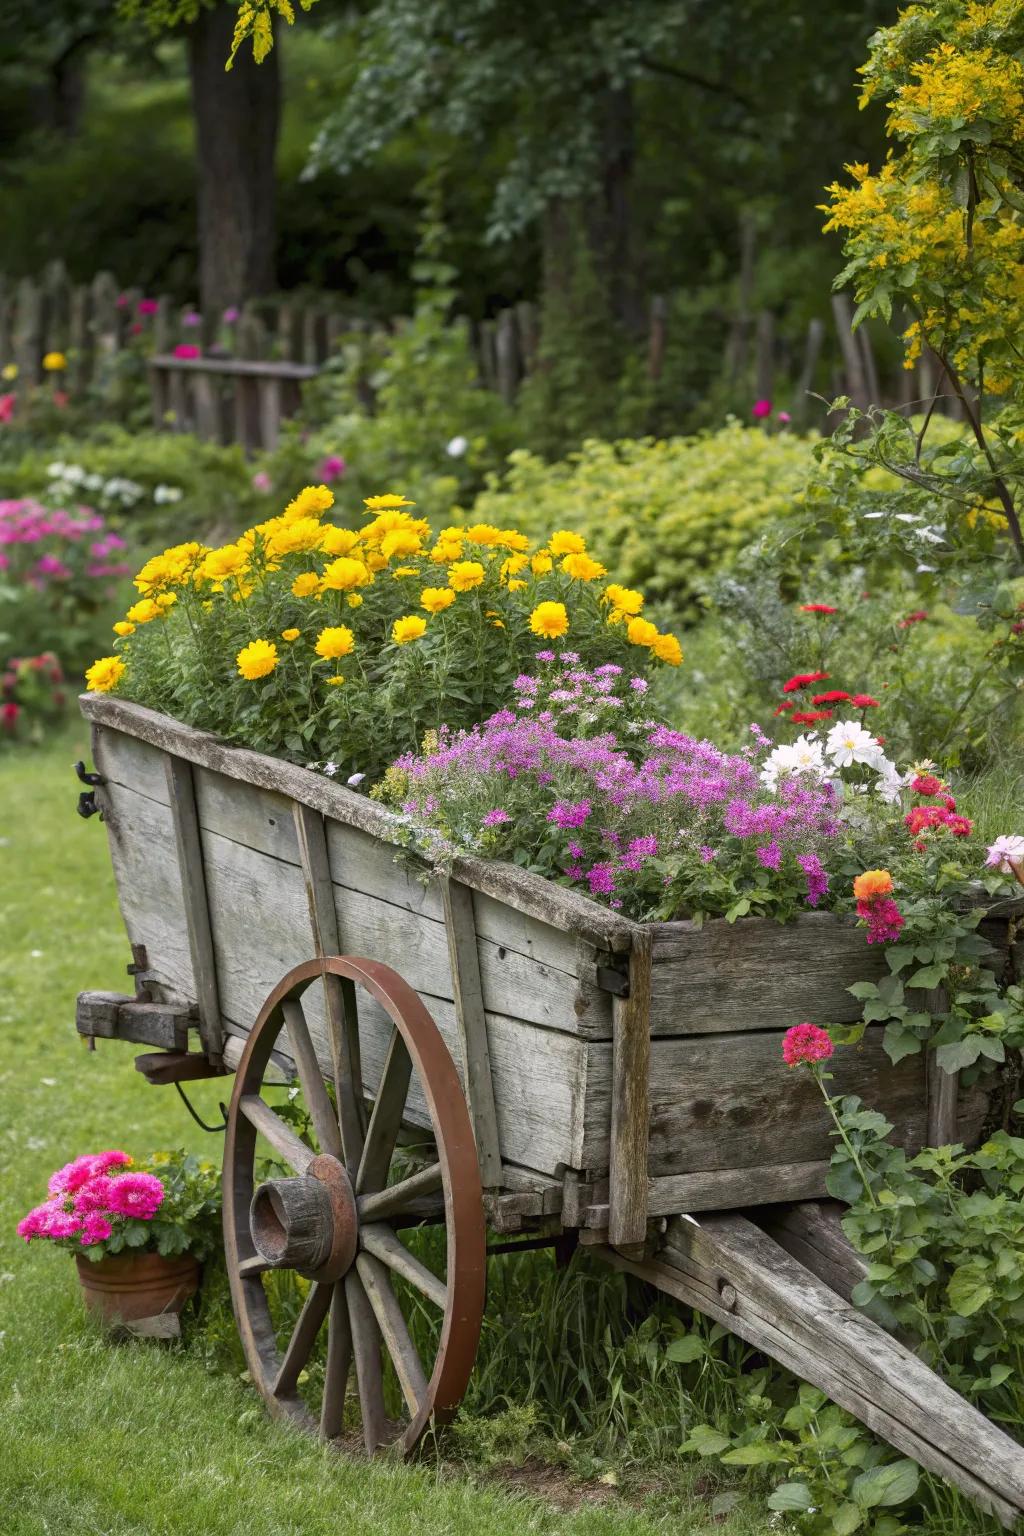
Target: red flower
{"type": "Point", "coordinates": [9, 715]}
{"type": "Point", "coordinates": [923, 817]}
{"type": "Point", "coordinates": [1017, 629]}
{"type": "Point", "coordinates": [960, 826]}
{"type": "Point", "coordinates": [817, 608]}
{"type": "Point", "coordinates": [865, 701]}
{"type": "Point", "coordinates": [927, 784]}
{"type": "Point", "coordinates": [801, 679]}
{"type": "Point", "coordinates": [949, 803]}
{"type": "Point", "coordinates": [835, 697]}
{"type": "Point", "coordinates": [805, 1042]}
{"type": "Point", "coordinates": [917, 617]}
{"type": "Point", "coordinates": [786, 704]}
{"type": "Point", "coordinates": [810, 716]}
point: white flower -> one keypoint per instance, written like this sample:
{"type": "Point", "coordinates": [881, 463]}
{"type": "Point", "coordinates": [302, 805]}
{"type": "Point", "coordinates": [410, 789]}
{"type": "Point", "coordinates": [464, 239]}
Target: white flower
{"type": "Point", "coordinates": [890, 781]}
{"type": "Point", "coordinates": [330, 769]}
{"type": "Point", "coordinates": [1004, 849]}
{"type": "Point", "coordinates": [801, 756]}
{"type": "Point", "coordinates": [848, 742]}
{"type": "Point", "coordinates": [457, 447]}
{"type": "Point", "coordinates": [165, 493]}
{"type": "Point", "coordinates": [355, 778]}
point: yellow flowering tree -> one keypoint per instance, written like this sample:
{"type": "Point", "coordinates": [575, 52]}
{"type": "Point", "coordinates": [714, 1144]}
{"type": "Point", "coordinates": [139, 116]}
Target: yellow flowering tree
{"type": "Point", "coordinates": [314, 641]}
{"type": "Point", "coordinates": [935, 237]}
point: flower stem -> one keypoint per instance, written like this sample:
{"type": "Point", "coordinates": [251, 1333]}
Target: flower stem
{"type": "Point", "coordinates": [847, 1143]}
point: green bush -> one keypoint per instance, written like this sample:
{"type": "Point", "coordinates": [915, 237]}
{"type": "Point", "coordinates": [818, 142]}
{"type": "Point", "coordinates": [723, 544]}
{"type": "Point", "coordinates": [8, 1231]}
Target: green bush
{"type": "Point", "coordinates": [665, 514]}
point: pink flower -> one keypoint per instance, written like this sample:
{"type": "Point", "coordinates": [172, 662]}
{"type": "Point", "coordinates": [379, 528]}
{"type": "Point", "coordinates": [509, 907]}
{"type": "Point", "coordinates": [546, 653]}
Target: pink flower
{"type": "Point", "coordinates": [95, 1229]}
{"type": "Point", "coordinates": [135, 1194]}
{"type": "Point", "coordinates": [73, 1175]}
{"type": "Point", "coordinates": [261, 481]}
{"type": "Point", "coordinates": [1000, 853]}
{"type": "Point", "coordinates": [332, 468]}
{"type": "Point", "coordinates": [95, 1196]}
{"type": "Point", "coordinates": [230, 315]}
{"type": "Point", "coordinates": [192, 318]}
{"type": "Point", "coordinates": [148, 306]}
{"type": "Point", "coordinates": [6, 407]}
{"type": "Point", "coordinates": [9, 713]}
{"type": "Point", "coordinates": [187, 349]}
{"type": "Point", "coordinates": [49, 1220]}
{"type": "Point", "coordinates": [805, 1042]}
{"type": "Point", "coordinates": [784, 417]}
{"type": "Point", "coordinates": [496, 817]}
{"type": "Point", "coordinates": [760, 409]}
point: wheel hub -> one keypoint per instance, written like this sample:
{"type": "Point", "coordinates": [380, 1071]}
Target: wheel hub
{"type": "Point", "coordinates": [309, 1224]}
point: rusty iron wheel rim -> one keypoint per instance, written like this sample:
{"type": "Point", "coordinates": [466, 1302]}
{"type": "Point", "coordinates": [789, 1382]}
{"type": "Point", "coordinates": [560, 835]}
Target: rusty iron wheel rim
{"type": "Point", "coordinates": [354, 1302]}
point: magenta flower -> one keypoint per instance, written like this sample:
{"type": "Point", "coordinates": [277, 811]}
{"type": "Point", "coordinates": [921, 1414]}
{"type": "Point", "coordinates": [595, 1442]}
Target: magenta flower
{"type": "Point", "coordinates": [566, 814]}
{"type": "Point", "coordinates": [230, 315]}
{"type": "Point", "coordinates": [135, 1194]}
{"type": "Point", "coordinates": [187, 350]}
{"type": "Point", "coordinates": [333, 467]}
{"type": "Point", "coordinates": [806, 1042]}
{"type": "Point", "coordinates": [192, 318]}
{"type": "Point", "coordinates": [95, 1229]}
{"type": "Point", "coordinates": [761, 409]}
{"type": "Point", "coordinates": [496, 817]}
{"type": "Point", "coordinates": [148, 306]}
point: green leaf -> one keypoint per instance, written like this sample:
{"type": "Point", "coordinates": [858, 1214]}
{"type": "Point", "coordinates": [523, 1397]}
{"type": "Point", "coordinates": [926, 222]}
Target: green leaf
{"type": "Point", "coordinates": [755, 1455]}
{"type": "Point", "coordinates": [892, 1484]}
{"type": "Point", "coordinates": [967, 1291]}
{"type": "Point", "coordinates": [686, 1349]}
{"type": "Point", "coordinates": [928, 976]}
{"type": "Point", "coordinates": [958, 1053]}
{"type": "Point", "coordinates": [847, 1519]}
{"type": "Point", "coordinates": [863, 990]}
{"type": "Point", "coordinates": [704, 1440]}
{"type": "Point", "coordinates": [899, 1042]}
{"type": "Point", "coordinates": [791, 1496]}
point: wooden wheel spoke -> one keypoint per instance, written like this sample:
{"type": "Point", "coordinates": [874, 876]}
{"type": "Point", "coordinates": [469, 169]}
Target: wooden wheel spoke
{"type": "Point", "coordinates": [310, 1076]}
{"type": "Point", "coordinates": [386, 1119]}
{"type": "Point", "coordinates": [382, 1243]}
{"type": "Point", "coordinates": [303, 1338]}
{"type": "Point", "coordinates": [281, 1137]}
{"type": "Point", "coordinates": [339, 1362]}
{"type": "Point", "coordinates": [343, 1022]}
{"type": "Point", "coordinates": [251, 1269]}
{"type": "Point", "coordinates": [397, 1198]}
{"type": "Point", "coordinates": [394, 1331]}
{"type": "Point", "coordinates": [366, 1352]}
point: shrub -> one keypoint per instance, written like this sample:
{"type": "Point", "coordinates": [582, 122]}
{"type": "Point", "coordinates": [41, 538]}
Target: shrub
{"type": "Point", "coordinates": [32, 696]}
{"type": "Point", "coordinates": [667, 513]}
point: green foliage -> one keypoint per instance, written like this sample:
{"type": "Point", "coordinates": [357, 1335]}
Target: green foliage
{"type": "Point", "coordinates": [32, 698]}
{"type": "Point", "coordinates": [665, 514]}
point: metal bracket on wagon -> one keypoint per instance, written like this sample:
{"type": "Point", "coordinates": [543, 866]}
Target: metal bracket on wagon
{"type": "Point", "coordinates": [87, 799]}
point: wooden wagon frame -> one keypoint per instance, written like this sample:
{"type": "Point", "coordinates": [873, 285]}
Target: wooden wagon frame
{"type": "Point", "coordinates": [578, 1077]}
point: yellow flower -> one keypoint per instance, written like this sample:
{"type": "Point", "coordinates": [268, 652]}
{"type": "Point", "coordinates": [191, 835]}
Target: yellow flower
{"type": "Point", "coordinates": [464, 574]}
{"type": "Point", "coordinates": [296, 536]}
{"type": "Point", "coordinates": [354, 600]}
{"type": "Point", "coordinates": [306, 585]}
{"type": "Point", "coordinates": [143, 612]}
{"type": "Point", "coordinates": [375, 561]}
{"type": "Point", "coordinates": [382, 503]}
{"type": "Point", "coordinates": [332, 682]}
{"type": "Point", "coordinates": [105, 674]}
{"type": "Point", "coordinates": [123, 628]}
{"type": "Point", "coordinates": [337, 640]}
{"type": "Point", "coordinates": [582, 568]}
{"type": "Point", "coordinates": [409, 627]}
{"type": "Point", "coordinates": [9, 371]}
{"type": "Point", "coordinates": [174, 567]}
{"type": "Point", "coordinates": [53, 362]}
{"type": "Point", "coordinates": [516, 586]}
{"type": "Point", "coordinates": [541, 564]}
{"type": "Point", "coordinates": [345, 573]}
{"type": "Point", "coordinates": [668, 649]}
{"type": "Point", "coordinates": [624, 599]}
{"type": "Point", "coordinates": [642, 632]}
{"type": "Point", "coordinates": [290, 634]}
{"type": "Point", "coordinates": [565, 543]}
{"type": "Point", "coordinates": [511, 538]}
{"type": "Point", "coordinates": [434, 599]}
{"type": "Point", "coordinates": [400, 541]}
{"type": "Point", "coordinates": [310, 502]}
{"type": "Point", "coordinates": [512, 566]}
{"type": "Point", "coordinates": [394, 521]}
{"type": "Point", "coordinates": [549, 620]}
{"type": "Point", "coordinates": [338, 541]}
{"type": "Point", "coordinates": [483, 533]}
{"type": "Point", "coordinates": [446, 550]}
{"type": "Point", "coordinates": [166, 600]}
{"type": "Point", "coordinates": [405, 570]}
{"type": "Point", "coordinates": [219, 564]}
{"type": "Point", "coordinates": [257, 659]}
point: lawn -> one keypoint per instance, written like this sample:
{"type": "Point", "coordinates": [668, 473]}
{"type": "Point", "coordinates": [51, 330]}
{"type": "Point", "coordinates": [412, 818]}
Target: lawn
{"type": "Point", "coordinates": [108, 1440]}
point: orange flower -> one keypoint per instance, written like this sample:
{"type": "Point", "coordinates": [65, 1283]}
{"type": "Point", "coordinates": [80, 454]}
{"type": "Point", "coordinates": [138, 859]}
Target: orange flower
{"type": "Point", "coordinates": [873, 882]}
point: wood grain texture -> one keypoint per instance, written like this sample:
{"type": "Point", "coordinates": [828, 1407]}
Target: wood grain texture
{"type": "Point", "coordinates": [811, 1232]}
{"type": "Point", "coordinates": [724, 1189]}
{"type": "Point", "coordinates": [630, 1103]}
{"type": "Point", "coordinates": [468, 1002]}
{"type": "Point", "coordinates": [181, 794]}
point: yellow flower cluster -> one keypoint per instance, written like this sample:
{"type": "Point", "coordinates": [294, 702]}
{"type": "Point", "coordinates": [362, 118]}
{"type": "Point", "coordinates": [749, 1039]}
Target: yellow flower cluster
{"type": "Point", "coordinates": [295, 576]}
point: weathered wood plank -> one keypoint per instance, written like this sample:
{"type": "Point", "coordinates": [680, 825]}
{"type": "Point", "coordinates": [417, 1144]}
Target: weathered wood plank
{"type": "Point", "coordinates": [527, 893]}
{"type": "Point", "coordinates": [811, 1232]}
{"type": "Point", "coordinates": [468, 1002]}
{"type": "Point", "coordinates": [723, 1189]}
{"type": "Point", "coordinates": [197, 912]}
{"type": "Point", "coordinates": [712, 979]}
{"type": "Point", "coordinates": [630, 1104]}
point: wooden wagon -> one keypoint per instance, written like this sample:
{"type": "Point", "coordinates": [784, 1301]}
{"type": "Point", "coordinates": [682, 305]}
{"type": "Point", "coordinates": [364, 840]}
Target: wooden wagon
{"type": "Point", "coordinates": [488, 1048]}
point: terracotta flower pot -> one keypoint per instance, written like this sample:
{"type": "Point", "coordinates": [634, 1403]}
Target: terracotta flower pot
{"type": "Point", "coordinates": [134, 1285]}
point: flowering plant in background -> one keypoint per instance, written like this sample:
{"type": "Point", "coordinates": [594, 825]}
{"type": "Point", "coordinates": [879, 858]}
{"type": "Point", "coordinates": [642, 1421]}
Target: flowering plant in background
{"type": "Point", "coordinates": [316, 641]}
{"type": "Point", "coordinates": [102, 1204]}
{"type": "Point", "coordinates": [107, 494]}
{"type": "Point", "coordinates": [59, 573]}
{"type": "Point", "coordinates": [32, 696]}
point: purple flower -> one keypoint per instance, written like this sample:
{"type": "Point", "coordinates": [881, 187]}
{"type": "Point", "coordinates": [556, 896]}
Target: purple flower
{"type": "Point", "coordinates": [332, 468]}
{"type": "Point", "coordinates": [644, 847]}
{"type": "Point", "coordinates": [817, 879]}
{"type": "Point", "coordinates": [192, 318]}
{"type": "Point", "coordinates": [496, 817]}
{"type": "Point", "coordinates": [545, 655]}
{"type": "Point", "coordinates": [575, 850]}
{"type": "Point", "coordinates": [566, 814]}
{"type": "Point", "coordinates": [230, 315]}
{"type": "Point", "coordinates": [601, 879]}
{"type": "Point", "coordinates": [770, 855]}
{"type": "Point", "coordinates": [638, 684]}
{"type": "Point", "coordinates": [707, 854]}
{"type": "Point", "coordinates": [568, 656]}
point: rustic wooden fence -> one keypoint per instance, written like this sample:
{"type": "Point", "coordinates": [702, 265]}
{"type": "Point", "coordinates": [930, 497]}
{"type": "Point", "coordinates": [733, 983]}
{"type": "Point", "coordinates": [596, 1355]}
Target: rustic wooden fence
{"type": "Point", "coordinates": [247, 377]}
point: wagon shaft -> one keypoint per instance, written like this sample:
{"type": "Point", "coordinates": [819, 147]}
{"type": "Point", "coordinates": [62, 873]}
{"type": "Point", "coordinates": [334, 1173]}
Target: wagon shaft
{"type": "Point", "coordinates": [729, 1269]}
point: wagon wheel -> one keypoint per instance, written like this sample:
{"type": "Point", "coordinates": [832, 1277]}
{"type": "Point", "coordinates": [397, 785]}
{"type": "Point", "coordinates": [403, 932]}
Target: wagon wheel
{"type": "Point", "coordinates": [336, 1219]}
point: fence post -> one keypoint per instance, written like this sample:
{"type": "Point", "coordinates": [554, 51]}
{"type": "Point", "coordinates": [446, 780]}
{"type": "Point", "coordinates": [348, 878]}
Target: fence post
{"type": "Point", "coordinates": [808, 369]}
{"type": "Point", "coordinates": [506, 355]}
{"type": "Point", "coordinates": [6, 339]}
{"type": "Point", "coordinates": [853, 362]}
{"type": "Point", "coordinates": [28, 340]}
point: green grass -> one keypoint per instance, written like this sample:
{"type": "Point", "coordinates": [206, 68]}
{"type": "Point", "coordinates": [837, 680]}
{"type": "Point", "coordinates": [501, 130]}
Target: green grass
{"type": "Point", "coordinates": [113, 1440]}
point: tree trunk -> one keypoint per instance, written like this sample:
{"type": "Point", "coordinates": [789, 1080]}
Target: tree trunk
{"type": "Point", "coordinates": [236, 115]}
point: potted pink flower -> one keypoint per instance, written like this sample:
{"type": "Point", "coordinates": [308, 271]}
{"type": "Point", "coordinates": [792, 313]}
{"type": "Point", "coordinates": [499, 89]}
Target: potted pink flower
{"type": "Point", "coordinates": [138, 1233]}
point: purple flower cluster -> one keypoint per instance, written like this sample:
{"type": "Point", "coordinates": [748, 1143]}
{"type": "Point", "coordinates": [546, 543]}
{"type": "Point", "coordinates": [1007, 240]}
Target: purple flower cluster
{"type": "Point", "coordinates": [630, 825]}
{"type": "Point", "coordinates": [43, 546]}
